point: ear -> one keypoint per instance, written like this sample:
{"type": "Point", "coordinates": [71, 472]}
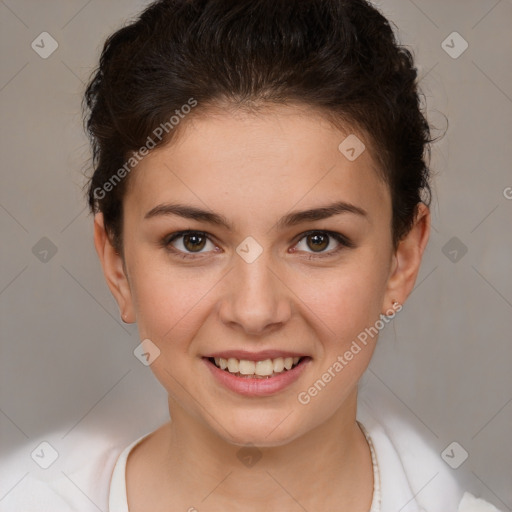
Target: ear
{"type": "Point", "coordinates": [114, 270]}
{"type": "Point", "coordinates": [406, 261]}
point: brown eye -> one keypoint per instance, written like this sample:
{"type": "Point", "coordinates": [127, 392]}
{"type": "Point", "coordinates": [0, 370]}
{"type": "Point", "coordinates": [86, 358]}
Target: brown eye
{"type": "Point", "coordinates": [194, 242]}
{"type": "Point", "coordinates": [189, 243]}
{"type": "Point", "coordinates": [317, 241]}
{"type": "Point", "coordinates": [323, 243]}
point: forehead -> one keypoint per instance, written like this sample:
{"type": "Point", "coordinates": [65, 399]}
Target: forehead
{"type": "Point", "coordinates": [270, 159]}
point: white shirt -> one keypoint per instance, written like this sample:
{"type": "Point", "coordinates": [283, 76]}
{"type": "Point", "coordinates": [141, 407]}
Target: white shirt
{"type": "Point", "coordinates": [411, 476]}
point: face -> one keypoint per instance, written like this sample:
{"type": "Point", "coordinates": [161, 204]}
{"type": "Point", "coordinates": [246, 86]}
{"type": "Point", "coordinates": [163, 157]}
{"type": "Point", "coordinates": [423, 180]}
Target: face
{"type": "Point", "coordinates": [248, 241]}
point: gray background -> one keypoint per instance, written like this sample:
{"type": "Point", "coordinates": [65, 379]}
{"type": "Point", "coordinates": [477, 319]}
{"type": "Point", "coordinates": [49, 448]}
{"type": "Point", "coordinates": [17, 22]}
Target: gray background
{"type": "Point", "coordinates": [67, 361]}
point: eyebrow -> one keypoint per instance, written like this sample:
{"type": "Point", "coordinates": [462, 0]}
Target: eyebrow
{"type": "Point", "coordinates": [289, 220]}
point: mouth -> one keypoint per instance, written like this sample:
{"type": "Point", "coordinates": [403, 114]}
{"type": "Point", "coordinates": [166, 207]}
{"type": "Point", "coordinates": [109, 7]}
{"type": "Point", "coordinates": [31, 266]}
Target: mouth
{"type": "Point", "coordinates": [256, 375]}
{"type": "Point", "coordinates": [257, 369]}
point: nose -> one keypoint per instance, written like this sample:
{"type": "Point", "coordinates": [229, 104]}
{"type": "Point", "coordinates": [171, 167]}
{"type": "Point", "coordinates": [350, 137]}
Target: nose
{"type": "Point", "coordinates": [255, 300]}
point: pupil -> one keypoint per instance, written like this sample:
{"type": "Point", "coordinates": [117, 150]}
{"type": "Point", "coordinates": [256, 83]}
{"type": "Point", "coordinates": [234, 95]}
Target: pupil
{"type": "Point", "coordinates": [319, 240]}
{"type": "Point", "coordinates": [197, 242]}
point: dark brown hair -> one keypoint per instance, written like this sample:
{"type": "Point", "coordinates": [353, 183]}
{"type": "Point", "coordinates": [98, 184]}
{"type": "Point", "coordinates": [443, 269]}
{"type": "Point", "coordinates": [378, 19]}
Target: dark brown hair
{"type": "Point", "coordinates": [340, 56]}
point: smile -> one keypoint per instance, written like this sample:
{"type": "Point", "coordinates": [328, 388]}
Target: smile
{"type": "Point", "coordinates": [256, 375]}
{"type": "Point", "coordinates": [264, 369]}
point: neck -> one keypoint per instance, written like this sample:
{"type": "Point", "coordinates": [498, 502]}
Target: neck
{"type": "Point", "coordinates": [329, 464]}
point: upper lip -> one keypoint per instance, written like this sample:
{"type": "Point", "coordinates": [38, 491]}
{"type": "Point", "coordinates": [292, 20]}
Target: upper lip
{"type": "Point", "coordinates": [254, 356]}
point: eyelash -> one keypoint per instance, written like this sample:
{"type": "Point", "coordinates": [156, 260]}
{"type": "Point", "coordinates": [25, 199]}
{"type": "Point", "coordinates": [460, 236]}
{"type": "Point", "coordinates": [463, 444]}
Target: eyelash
{"type": "Point", "coordinates": [344, 243]}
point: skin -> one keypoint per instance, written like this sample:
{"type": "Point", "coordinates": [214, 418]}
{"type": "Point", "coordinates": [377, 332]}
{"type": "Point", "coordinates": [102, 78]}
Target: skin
{"type": "Point", "coordinates": [253, 169]}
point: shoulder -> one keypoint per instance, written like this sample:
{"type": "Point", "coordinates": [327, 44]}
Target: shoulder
{"type": "Point", "coordinates": [414, 477]}
{"type": "Point", "coordinates": [54, 473]}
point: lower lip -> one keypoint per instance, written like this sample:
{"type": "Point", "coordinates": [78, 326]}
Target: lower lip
{"type": "Point", "coordinates": [255, 387]}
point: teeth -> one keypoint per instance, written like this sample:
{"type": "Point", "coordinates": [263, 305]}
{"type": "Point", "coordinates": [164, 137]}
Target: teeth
{"type": "Point", "coordinates": [278, 365]}
{"type": "Point", "coordinates": [246, 367]}
{"type": "Point", "coordinates": [264, 368]}
{"type": "Point", "coordinates": [233, 365]}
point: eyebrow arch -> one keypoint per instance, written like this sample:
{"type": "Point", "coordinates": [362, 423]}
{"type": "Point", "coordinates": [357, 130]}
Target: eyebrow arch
{"type": "Point", "coordinates": [289, 220]}
{"type": "Point", "coordinates": [320, 213]}
{"type": "Point", "coordinates": [188, 212]}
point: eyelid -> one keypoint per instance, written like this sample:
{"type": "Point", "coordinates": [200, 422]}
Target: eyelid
{"type": "Point", "coordinates": [342, 240]}
{"type": "Point", "coordinates": [167, 243]}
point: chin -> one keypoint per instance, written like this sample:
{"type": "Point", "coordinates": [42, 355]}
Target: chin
{"type": "Point", "coordinates": [258, 429]}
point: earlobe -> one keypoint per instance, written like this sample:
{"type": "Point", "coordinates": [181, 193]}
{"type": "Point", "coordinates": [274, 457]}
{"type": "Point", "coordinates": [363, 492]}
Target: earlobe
{"type": "Point", "coordinates": [113, 270]}
{"type": "Point", "coordinates": [407, 259]}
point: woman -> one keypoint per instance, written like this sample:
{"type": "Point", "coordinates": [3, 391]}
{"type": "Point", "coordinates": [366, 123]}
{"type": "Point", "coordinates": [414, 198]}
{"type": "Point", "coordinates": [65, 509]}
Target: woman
{"type": "Point", "coordinates": [274, 206]}
{"type": "Point", "coordinates": [261, 196]}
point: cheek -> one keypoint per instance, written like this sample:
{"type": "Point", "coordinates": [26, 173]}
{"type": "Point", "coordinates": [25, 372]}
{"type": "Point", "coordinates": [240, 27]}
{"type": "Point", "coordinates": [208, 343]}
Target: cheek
{"type": "Point", "coordinates": [166, 301]}
{"type": "Point", "coordinates": [343, 308]}
{"type": "Point", "coordinates": [170, 308]}
{"type": "Point", "coordinates": [343, 301]}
